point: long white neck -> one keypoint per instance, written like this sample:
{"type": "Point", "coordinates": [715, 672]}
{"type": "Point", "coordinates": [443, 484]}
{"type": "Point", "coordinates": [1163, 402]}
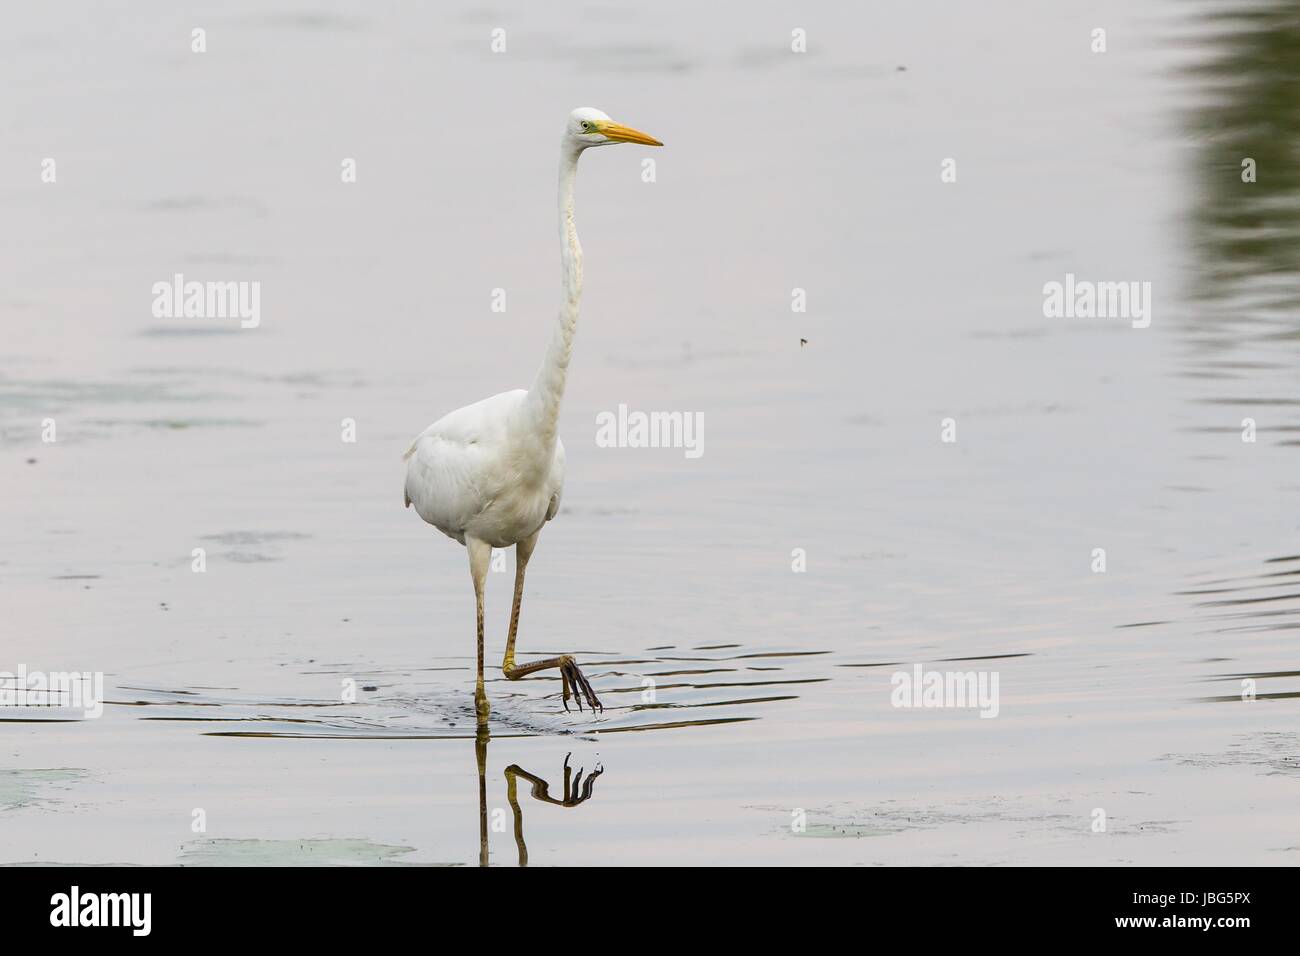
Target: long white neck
{"type": "Point", "coordinates": [548, 387]}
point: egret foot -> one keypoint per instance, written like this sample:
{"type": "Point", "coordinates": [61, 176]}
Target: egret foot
{"type": "Point", "coordinates": [574, 682]}
{"type": "Point", "coordinates": [481, 706]}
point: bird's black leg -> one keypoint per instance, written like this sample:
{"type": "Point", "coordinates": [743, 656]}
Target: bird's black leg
{"type": "Point", "coordinates": [480, 553]}
{"type": "Point", "coordinates": [572, 681]}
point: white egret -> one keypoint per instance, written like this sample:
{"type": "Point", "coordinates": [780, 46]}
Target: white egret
{"type": "Point", "coordinates": [491, 474]}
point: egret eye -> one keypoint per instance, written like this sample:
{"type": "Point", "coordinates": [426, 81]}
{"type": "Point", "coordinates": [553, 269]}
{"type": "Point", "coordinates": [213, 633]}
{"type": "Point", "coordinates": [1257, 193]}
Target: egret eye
{"type": "Point", "coordinates": [586, 125]}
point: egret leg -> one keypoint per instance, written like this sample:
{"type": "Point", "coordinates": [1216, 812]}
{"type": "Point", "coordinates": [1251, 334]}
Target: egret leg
{"type": "Point", "coordinates": [572, 681]}
{"type": "Point", "coordinates": [480, 554]}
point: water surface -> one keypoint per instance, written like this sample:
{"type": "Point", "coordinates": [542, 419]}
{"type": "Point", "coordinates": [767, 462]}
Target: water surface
{"type": "Point", "coordinates": [820, 171]}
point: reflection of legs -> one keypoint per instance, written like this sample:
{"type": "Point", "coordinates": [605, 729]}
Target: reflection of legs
{"type": "Point", "coordinates": [571, 678]}
{"type": "Point", "coordinates": [480, 553]}
{"type": "Point", "coordinates": [576, 790]}
{"type": "Point", "coordinates": [512, 795]}
{"type": "Point", "coordinates": [480, 753]}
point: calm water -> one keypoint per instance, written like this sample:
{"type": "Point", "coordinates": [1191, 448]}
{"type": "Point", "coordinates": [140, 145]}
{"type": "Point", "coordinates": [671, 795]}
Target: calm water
{"type": "Point", "coordinates": [820, 171]}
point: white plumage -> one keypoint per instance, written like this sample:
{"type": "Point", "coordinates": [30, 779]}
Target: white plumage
{"type": "Point", "coordinates": [491, 474]}
{"type": "Point", "coordinates": [481, 471]}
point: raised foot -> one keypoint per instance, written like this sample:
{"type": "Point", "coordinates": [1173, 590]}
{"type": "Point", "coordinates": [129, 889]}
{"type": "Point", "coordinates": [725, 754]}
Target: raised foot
{"type": "Point", "coordinates": [576, 685]}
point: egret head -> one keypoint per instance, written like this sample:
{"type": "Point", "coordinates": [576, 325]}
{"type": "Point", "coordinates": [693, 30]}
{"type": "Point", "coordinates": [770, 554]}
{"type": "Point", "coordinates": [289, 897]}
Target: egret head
{"type": "Point", "coordinates": [590, 127]}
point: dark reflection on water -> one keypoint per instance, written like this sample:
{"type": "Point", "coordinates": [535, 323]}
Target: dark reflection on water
{"type": "Point", "coordinates": [430, 703]}
{"type": "Point", "coordinates": [1245, 320]}
{"type": "Point", "coordinates": [1244, 324]}
{"type": "Point", "coordinates": [1262, 605]}
{"type": "Point", "coordinates": [577, 791]}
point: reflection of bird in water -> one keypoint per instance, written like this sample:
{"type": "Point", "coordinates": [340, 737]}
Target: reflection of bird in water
{"type": "Point", "coordinates": [576, 791]}
{"type": "Point", "coordinates": [491, 474]}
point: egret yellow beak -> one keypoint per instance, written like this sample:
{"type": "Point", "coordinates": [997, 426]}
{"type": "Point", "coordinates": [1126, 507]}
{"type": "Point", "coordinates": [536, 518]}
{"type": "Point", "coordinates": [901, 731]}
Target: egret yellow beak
{"type": "Point", "coordinates": [626, 134]}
